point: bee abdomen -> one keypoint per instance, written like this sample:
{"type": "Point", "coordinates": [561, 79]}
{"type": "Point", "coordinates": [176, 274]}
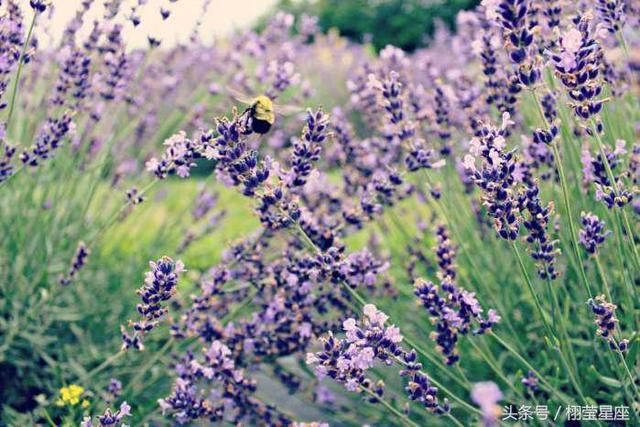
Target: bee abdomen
{"type": "Point", "coordinates": [260, 126]}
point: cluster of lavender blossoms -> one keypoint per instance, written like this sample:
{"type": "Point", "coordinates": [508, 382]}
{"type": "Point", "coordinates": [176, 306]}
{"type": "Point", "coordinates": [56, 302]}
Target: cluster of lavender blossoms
{"type": "Point", "coordinates": [109, 418]}
{"type": "Point", "coordinates": [612, 194]}
{"type": "Point", "coordinates": [511, 196]}
{"type": "Point", "coordinates": [543, 249]}
{"type": "Point", "coordinates": [291, 293]}
{"type": "Point", "coordinates": [454, 311]}
{"type": "Point", "coordinates": [367, 341]}
{"type": "Point", "coordinates": [177, 158]}
{"type": "Point", "coordinates": [292, 287]}
{"type": "Point", "coordinates": [78, 262]}
{"type": "Point", "coordinates": [612, 14]}
{"type": "Point", "coordinates": [306, 150]}
{"type": "Point", "coordinates": [496, 176]}
{"type": "Point", "coordinates": [513, 16]}
{"type": "Point", "coordinates": [607, 322]}
{"type": "Point", "coordinates": [578, 67]}
{"type": "Point", "coordinates": [159, 287]}
{"type": "Point", "coordinates": [592, 234]}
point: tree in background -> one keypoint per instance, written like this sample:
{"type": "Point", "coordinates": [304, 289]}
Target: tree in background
{"type": "Point", "coordinates": [404, 23]}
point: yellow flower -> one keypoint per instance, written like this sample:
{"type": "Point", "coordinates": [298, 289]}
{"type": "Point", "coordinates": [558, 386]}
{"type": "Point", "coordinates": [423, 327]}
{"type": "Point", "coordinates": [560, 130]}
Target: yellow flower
{"type": "Point", "coordinates": [85, 404]}
{"type": "Point", "coordinates": [70, 395]}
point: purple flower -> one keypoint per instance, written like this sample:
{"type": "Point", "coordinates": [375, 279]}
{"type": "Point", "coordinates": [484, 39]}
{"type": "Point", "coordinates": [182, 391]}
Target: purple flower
{"type": "Point", "coordinates": [134, 197]}
{"type": "Point", "coordinates": [177, 158]}
{"type": "Point", "coordinates": [368, 341]}
{"type": "Point", "coordinates": [159, 286]}
{"type": "Point", "coordinates": [453, 311]}
{"type": "Point", "coordinates": [542, 249]}
{"type": "Point", "coordinates": [607, 322]}
{"type": "Point", "coordinates": [577, 66]}
{"type": "Point", "coordinates": [79, 260]}
{"type": "Point", "coordinates": [73, 78]}
{"type": "Point", "coordinates": [594, 170]}
{"type": "Point", "coordinates": [445, 253]}
{"type": "Point", "coordinates": [592, 234]}
{"type": "Point", "coordinates": [547, 136]}
{"type": "Point", "coordinates": [49, 139]}
{"type": "Point", "coordinates": [109, 418]}
{"type": "Point", "coordinates": [323, 396]}
{"type": "Point", "coordinates": [495, 176]}
{"type": "Point", "coordinates": [184, 403]}
{"type": "Point", "coordinates": [113, 82]}
{"type": "Point", "coordinates": [306, 150]}
{"type": "Point", "coordinates": [487, 395]}
{"type": "Point", "coordinates": [39, 6]}
{"type": "Point", "coordinates": [530, 381]}
{"type": "Point", "coordinates": [6, 168]}
{"type": "Point", "coordinates": [283, 75]}
{"type": "Point", "coordinates": [362, 269]}
{"type": "Point", "coordinates": [442, 107]}
{"type": "Point", "coordinates": [552, 11]}
{"type": "Point", "coordinates": [308, 25]}
{"type": "Point", "coordinates": [612, 14]}
{"type": "Point", "coordinates": [399, 127]}
{"type": "Point", "coordinates": [114, 388]}
{"type": "Point", "coordinates": [211, 386]}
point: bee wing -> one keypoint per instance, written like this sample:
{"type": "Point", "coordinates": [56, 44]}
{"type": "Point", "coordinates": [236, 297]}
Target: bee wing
{"type": "Point", "coordinates": [238, 95]}
{"type": "Point", "coordinates": [287, 110]}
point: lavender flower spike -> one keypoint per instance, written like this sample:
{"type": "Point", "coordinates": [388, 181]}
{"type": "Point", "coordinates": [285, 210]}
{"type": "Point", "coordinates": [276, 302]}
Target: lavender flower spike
{"type": "Point", "coordinates": [109, 418]}
{"type": "Point", "coordinates": [607, 322]}
{"type": "Point", "coordinates": [487, 395]}
{"type": "Point", "coordinates": [368, 340]}
{"type": "Point", "coordinates": [453, 311]}
{"type": "Point", "coordinates": [612, 14]}
{"type": "Point", "coordinates": [306, 150]}
{"type": "Point", "coordinates": [79, 260]}
{"type": "Point", "coordinates": [159, 286]}
{"type": "Point", "coordinates": [593, 234]}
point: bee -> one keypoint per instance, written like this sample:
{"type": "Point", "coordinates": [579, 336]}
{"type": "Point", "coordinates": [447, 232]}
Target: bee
{"type": "Point", "coordinates": [262, 111]}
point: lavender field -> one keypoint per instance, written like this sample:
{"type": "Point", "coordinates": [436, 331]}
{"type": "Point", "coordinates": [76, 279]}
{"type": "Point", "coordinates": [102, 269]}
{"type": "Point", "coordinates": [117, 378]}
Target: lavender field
{"type": "Point", "coordinates": [289, 227]}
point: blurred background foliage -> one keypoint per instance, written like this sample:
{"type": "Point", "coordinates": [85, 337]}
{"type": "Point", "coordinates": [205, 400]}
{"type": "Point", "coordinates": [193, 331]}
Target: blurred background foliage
{"type": "Point", "coordinates": [407, 24]}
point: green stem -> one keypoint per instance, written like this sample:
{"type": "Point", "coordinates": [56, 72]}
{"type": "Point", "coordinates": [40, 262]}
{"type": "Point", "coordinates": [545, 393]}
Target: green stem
{"type": "Point", "coordinates": [495, 368]}
{"type": "Point", "coordinates": [14, 90]}
{"type": "Point", "coordinates": [48, 417]}
{"type": "Point", "coordinates": [629, 230]}
{"type": "Point", "coordinates": [152, 360]}
{"type": "Point", "coordinates": [454, 420]}
{"type": "Point", "coordinates": [107, 362]}
{"type": "Point", "coordinates": [553, 336]}
{"type": "Point", "coordinates": [603, 277]}
{"type": "Point", "coordinates": [116, 214]}
{"type": "Point", "coordinates": [563, 329]}
{"type": "Point", "coordinates": [528, 366]}
{"type": "Point", "coordinates": [569, 212]}
{"type": "Point", "coordinates": [626, 367]}
{"type": "Point", "coordinates": [390, 408]}
{"type": "Point", "coordinates": [532, 290]}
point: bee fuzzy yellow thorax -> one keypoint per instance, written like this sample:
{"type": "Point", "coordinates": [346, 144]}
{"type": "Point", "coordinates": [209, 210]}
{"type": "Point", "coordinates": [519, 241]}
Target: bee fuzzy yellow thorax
{"type": "Point", "coordinates": [263, 109]}
{"type": "Point", "coordinates": [262, 114]}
